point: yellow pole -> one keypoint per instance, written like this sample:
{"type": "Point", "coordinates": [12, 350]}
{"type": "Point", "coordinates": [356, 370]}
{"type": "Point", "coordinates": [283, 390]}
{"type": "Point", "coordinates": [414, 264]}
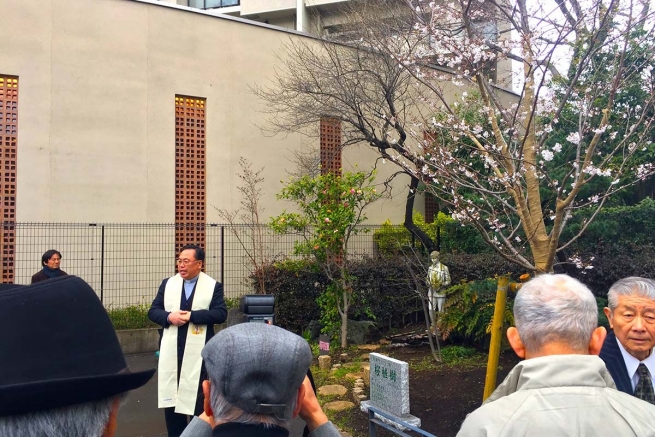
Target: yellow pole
{"type": "Point", "coordinates": [496, 337]}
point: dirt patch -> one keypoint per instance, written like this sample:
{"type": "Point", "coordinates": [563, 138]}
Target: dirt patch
{"type": "Point", "coordinates": [440, 395]}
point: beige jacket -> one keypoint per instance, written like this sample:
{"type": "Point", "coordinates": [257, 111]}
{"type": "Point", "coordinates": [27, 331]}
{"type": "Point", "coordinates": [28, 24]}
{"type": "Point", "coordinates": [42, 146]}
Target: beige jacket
{"type": "Point", "coordinates": [560, 395]}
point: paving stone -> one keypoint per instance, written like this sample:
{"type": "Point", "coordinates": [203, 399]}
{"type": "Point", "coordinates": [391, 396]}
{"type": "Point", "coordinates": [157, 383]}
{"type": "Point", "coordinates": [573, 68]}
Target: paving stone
{"type": "Point", "coordinates": [324, 362]}
{"type": "Point", "coordinates": [368, 347]}
{"type": "Point", "coordinates": [385, 341]}
{"type": "Point", "coordinates": [343, 357]}
{"type": "Point", "coordinates": [338, 405]}
{"type": "Point", "coordinates": [366, 369]}
{"type": "Point", "coordinates": [359, 385]}
{"type": "Point", "coordinates": [364, 357]}
{"type": "Point", "coordinates": [354, 375]}
{"type": "Point", "coordinates": [332, 390]}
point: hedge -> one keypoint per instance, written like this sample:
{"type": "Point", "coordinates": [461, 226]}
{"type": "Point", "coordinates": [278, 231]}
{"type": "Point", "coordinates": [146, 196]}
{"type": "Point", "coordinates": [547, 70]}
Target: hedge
{"type": "Point", "coordinates": [382, 292]}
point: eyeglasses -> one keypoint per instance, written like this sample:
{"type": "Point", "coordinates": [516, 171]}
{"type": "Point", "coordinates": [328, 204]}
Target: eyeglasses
{"type": "Point", "coordinates": [185, 262]}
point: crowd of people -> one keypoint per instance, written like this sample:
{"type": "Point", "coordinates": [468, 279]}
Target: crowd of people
{"type": "Point", "coordinates": [63, 374]}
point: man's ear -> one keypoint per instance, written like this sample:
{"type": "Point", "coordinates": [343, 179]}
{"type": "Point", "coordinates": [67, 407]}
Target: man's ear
{"type": "Point", "coordinates": [299, 401]}
{"type": "Point", "coordinates": [515, 341]}
{"type": "Point", "coordinates": [207, 406]}
{"type": "Point", "coordinates": [597, 339]}
{"type": "Point", "coordinates": [112, 423]}
{"type": "Point", "coordinates": [608, 314]}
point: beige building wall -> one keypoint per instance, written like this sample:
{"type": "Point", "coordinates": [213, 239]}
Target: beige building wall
{"type": "Point", "coordinates": [96, 138]}
{"type": "Point", "coordinates": [96, 107]}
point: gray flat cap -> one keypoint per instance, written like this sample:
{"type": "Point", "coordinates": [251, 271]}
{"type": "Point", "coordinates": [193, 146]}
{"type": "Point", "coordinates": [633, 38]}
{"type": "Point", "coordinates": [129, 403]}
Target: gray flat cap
{"type": "Point", "coordinates": [258, 367]}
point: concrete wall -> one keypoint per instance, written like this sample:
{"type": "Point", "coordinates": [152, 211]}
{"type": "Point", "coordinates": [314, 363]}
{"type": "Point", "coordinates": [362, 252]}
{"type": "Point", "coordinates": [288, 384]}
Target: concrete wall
{"type": "Point", "coordinates": [259, 6]}
{"type": "Point", "coordinates": [98, 80]}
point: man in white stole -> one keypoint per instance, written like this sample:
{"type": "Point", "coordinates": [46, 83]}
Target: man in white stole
{"type": "Point", "coordinates": [187, 306]}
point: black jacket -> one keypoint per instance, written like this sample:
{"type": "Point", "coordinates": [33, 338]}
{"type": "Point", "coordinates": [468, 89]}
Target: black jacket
{"type": "Point", "coordinates": [240, 430]}
{"type": "Point", "coordinates": [611, 354]}
{"type": "Point", "coordinates": [215, 314]}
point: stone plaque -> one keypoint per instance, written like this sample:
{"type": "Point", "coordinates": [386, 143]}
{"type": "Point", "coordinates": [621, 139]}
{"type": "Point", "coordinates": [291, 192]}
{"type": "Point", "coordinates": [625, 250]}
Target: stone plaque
{"type": "Point", "coordinates": [324, 344]}
{"type": "Point", "coordinates": [389, 384]}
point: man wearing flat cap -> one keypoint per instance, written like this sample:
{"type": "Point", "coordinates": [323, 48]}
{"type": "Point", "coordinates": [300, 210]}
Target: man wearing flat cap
{"type": "Point", "coordinates": [187, 306]}
{"type": "Point", "coordinates": [257, 382]}
{"type": "Point", "coordinates": [62, 371]}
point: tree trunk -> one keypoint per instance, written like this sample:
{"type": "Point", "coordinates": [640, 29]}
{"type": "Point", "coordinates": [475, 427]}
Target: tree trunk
{"type": "Point", "coordinates": [344, 320]}
{"type": "Point", "coordinates": [424, 238]}
{"type": "Point", "coordinates": [541, 254]}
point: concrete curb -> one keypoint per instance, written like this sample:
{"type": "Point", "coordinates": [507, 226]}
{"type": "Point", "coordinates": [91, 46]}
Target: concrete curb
{"type": "Point", "coordinates": [136, 341]}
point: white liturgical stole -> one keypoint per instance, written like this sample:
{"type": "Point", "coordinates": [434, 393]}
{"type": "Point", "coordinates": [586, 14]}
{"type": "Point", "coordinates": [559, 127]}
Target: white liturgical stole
{"type": "Point", "coordinates": [183, 397]}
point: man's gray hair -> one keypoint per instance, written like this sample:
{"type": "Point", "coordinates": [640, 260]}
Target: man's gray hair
{"type": "Point", "coordinates": [632, 286]}
{"type": "Point", "coordinates": [555, 308]}
{"type": "Point", "coordinates": [82, 420]}
{"type": "Point", "coordinates": [224, 411]}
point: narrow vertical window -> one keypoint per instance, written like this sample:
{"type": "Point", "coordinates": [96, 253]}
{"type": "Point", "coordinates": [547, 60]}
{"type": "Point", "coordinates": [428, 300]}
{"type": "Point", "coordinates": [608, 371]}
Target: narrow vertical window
{"type": "Point", "coordinates": [330, 143]}
{"type": "Point", "coordinates": [431, 207]}
{"type": "Point", "coordinates": [8, 144]}
{"type": "Point", "coordinates": [189, 171]}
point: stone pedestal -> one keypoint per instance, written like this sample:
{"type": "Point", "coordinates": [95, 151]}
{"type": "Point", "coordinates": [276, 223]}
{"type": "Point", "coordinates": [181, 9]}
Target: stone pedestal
{"type": "Point", "coordinates": [407, 418]}
{"type": "Point", "coordinates": [324, 362]}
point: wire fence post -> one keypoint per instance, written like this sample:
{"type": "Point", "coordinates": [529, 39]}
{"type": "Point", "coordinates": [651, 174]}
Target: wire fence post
{"type": "Point", "coordinates": [102, 264]}
{"type": "Point", "coordinates": [222, 255]}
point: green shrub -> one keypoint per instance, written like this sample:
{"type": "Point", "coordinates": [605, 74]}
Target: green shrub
{"type": "Point", "coordinates": [469, 309]}
{"type": "Point", "coordinates": [296, 285]}
{"type": "Point", "coordinates": [132, 317]}
{"type": "Point", "coordinates": [454, 238]}
{"type": "Point", "coordinates": [477, 267]}
{"type": "Point", "coordinates": [624, 225]}
{"type": "Point", "coordinates": [454, 354]}
{"type": "Point", "coordinates": [613, 262]}
{"type": "Point", "coordinates": [382, 292]}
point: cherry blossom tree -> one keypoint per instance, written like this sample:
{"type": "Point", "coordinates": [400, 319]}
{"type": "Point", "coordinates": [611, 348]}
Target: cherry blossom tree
{"type": "Point", "coordinates": [513, 113]}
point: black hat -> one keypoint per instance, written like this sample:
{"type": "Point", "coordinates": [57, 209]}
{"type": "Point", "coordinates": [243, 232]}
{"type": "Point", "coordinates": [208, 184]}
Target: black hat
{"type": "Point", "coordinates": [59, 348]}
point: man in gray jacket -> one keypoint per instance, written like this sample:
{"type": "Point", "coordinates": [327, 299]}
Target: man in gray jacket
{"type": "Point", "coordinates": [257, 384]}
{"type": "Point", "coordinates": [562, 388]}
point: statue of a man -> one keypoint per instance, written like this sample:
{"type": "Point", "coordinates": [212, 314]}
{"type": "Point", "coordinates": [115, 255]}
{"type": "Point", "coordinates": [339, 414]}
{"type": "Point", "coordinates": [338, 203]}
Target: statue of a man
{"type": "Point", "coordinates": [439, 279]}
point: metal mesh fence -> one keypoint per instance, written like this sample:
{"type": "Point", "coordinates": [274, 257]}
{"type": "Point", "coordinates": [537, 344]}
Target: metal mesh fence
{"type": "Point", "coordinates": [125, 263]}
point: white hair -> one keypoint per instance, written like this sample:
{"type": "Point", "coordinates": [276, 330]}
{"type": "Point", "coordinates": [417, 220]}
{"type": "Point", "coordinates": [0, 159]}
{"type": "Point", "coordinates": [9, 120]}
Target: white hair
{"type": "Point", "coordinates": [631, 286]}
{"type": "Point", "coordinates": [224, 411]}
{"type": "Point", "coordinates": [82, 420]}
{"type": "Point", "coordinates": [555, 308]}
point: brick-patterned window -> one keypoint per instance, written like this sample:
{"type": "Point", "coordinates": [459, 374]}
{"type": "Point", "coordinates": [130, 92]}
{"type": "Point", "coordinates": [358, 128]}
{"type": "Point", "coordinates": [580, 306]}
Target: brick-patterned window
{"type": "Point", "coordinates": [330, 143]}
{"type": "Point", "coordinates": [189, 171]}
{"type": "Point", "coordinates": [8, 144]}
{"type": "Point", "coordinates": [431, 207]}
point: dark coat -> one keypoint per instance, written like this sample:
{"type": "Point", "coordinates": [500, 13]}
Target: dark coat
{"type": "Point", "coordinates": [40, 276]}
{"type": "Point", "coordinates": [215, 314]}
{"type": "Point", "coordinates": [611, 354]}
{"type": "Point", "coordinates": [232, 429]}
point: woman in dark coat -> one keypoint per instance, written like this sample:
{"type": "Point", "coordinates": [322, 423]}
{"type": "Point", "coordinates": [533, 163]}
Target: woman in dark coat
{"type": "Point", "coordinates": [50, 261]}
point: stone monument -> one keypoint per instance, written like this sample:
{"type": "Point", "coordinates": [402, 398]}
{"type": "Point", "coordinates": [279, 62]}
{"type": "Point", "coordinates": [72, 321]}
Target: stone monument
{"type": "Point", "coordinates": [389, 388]}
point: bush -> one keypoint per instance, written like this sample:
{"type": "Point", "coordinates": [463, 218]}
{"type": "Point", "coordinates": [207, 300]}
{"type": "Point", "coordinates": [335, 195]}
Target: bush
{"type": "Point", "coordinates": [132, 317]}
{"type": "Point", "coordinates": [612, 262]}
{"type": "Point", "coordinates": [469, 309]}
{"type": "Point", "coordinates": [382, 287]}
{"type": "Point", "coordinates": [625, 225]}
{"type": "Point", "coordinates": [469, 267]}
{"type": "Point", "coordinates": [296, 285]}
{"type": "Point", "coordinates": [454, 238]}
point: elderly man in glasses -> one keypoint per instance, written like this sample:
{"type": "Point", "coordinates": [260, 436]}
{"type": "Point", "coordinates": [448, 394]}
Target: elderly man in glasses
{"type": "Point", "coordinates": [187, 306]}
